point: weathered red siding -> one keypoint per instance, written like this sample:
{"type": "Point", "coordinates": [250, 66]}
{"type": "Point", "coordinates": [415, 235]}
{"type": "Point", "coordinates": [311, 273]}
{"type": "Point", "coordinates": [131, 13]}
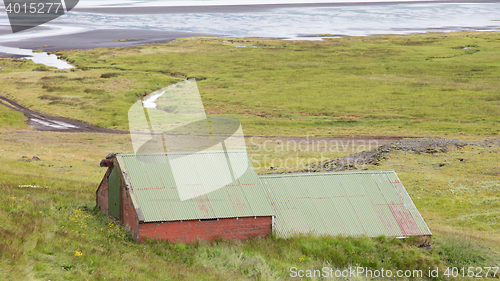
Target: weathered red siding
{"type": "Point", "coordinates": [191, 230]}
{"type": "Point", "coordinates": [185, 231]}
{"type": "Point", "coordinates": [130, 219]}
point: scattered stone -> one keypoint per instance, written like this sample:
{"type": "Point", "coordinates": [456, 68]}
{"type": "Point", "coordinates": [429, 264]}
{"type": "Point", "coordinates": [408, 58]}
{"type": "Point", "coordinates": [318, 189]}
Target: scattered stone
{"type": "Point", "coordinates": [417, 145]}
{"type": "Point", "coordinates": [25, 159]}
{"type": "Point", "coordinates": [432, 150]}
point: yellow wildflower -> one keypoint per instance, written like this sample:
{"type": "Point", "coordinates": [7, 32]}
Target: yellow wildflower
{"type": "Point", "coordinates": [77, 254]}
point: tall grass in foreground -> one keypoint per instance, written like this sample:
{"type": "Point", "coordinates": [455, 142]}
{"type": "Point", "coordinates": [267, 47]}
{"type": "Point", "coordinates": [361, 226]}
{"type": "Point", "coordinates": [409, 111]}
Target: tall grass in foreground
{"type": "Point", "coordinates": [51, 230]}
{"type": "Point", "coordinates": [44, 239]}
{"type": "Point", "coordinates": [41, 239]}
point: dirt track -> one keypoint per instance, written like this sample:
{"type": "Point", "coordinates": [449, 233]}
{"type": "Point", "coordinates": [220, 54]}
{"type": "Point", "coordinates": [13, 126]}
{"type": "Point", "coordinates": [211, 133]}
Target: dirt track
{"type": "Point", "coordinates": [46, 122]}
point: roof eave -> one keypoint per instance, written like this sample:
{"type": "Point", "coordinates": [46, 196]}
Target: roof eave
{"type": "Point", "coordinates": [126, 179]}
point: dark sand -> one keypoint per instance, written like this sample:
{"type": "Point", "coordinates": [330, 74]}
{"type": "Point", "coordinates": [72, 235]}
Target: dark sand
{"type": "Point", "coordinates": [101, 38]}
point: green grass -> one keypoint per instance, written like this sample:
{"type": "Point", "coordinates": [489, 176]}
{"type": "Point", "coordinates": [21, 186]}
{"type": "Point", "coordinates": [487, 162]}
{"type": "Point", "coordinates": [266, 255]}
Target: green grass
{"type": "Point", "coordinates": [378, 85]}
{"type": "Point", "coordinates": [425, 85]}
{"type": "Point", "coordinates": [96, 96]}
{"type": "Point", "coordinates": [11, 119]}
{"type": "Point", "coordinates": [51, 230]}
{"type": "Point", "coordinates": [44, 238]}
{"type": "Point", "coordinates": [464, 252]}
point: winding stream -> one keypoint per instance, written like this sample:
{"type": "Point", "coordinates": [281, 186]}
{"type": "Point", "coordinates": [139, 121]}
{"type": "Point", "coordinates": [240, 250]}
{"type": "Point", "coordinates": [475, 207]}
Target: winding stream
{"type": "Point", "coordinates": [37, 57]}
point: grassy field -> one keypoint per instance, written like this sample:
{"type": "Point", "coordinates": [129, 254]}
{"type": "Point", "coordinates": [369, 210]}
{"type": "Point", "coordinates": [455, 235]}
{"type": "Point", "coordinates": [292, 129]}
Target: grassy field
{"type": "Point", "coordinates": [434, 84]}
{"type": "Point", "coordinates": [51, 230]}
{"type": "Point", "coordinates": [10, 119]}
{"type": "Point", "coordinates": [378, 85]}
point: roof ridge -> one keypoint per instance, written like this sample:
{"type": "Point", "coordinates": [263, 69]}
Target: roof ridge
{"type": "Point", "coordinates": [181, 153]}
{"type": "Point", "coordinates": [325, 173]}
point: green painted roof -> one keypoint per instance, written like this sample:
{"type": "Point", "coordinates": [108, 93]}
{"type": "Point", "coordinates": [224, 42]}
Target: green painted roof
{"type": "Point", "coordinates": [355, 203]}
{"type": "Point", "coordinates": [157, 182]}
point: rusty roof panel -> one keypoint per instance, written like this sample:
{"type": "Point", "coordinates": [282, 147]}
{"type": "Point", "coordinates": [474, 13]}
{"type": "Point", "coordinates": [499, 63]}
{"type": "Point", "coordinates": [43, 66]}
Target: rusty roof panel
{"type": "Point", "coordinates": [355, 203]}
{"type": "Point", "coordinates": [408, 203]}
{"type": "Point", "coordinates": [388, 221]}
{"type": "Point", "coordinates": [211, 188]}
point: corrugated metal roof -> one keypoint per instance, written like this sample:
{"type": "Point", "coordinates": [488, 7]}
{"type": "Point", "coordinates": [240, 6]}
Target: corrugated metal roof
{"type": "Point", "coordinates": [158, 181]}
{"type": "Point", "coordinates": [355, 203]}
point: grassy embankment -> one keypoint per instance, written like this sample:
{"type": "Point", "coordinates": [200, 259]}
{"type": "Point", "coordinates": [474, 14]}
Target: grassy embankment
{"type": "Point", "coordinates": [436, 84]}
{"type": "Point", "coordinates": [50, 230]}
